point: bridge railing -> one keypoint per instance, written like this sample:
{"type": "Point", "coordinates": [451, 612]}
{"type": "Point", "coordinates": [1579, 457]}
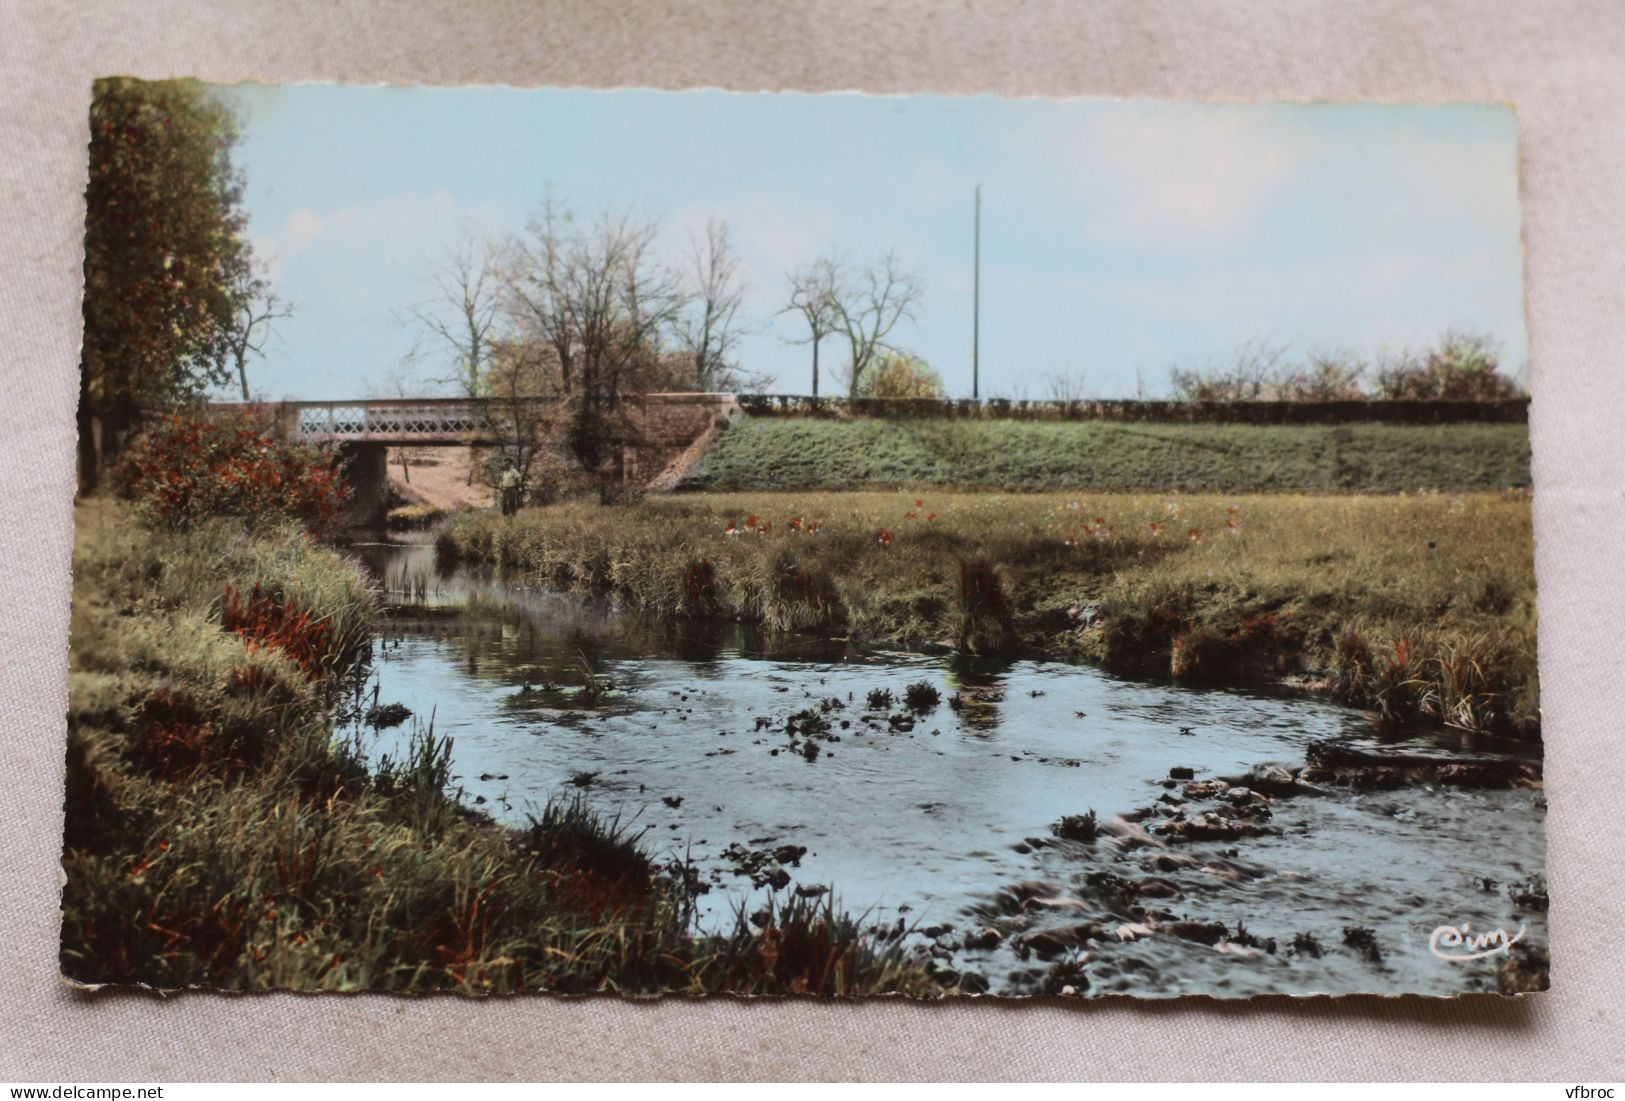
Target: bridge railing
{"type": "Point", "coordinates": [393, 420]}
{"type": "Point", "coordinates": [408, 421]}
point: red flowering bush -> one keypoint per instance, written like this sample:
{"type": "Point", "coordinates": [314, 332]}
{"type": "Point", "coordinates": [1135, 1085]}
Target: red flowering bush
{"type": "Point", "coordinates": [187, 466]}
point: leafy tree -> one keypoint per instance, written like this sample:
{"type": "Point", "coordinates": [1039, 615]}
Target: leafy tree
{"type": "Point", "coordinates": [523, 392]}
{"type": "Point", "coordinates": [1326, 376]}
{"type": "Point", "coordinates": [1464, 367]}
{"type": "Point", "coordinates": [1251, 376]}
{"type": "Point", "coordinates": [900, 375]}
{"type": "Point", "coordinates": [165, 259]}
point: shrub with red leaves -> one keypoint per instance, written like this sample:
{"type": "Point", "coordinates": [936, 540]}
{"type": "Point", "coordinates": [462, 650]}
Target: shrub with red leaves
{"type": "Point", "coordinates": [188, 466]}
{"type": "Point", "coordinates": [264, 620]}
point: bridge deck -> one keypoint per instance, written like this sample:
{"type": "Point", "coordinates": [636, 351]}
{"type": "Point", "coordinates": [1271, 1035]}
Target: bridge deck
{"type": "Point", "coordinates": [398, 422]}
{"type": "Point", "coordinates": [461, 421]}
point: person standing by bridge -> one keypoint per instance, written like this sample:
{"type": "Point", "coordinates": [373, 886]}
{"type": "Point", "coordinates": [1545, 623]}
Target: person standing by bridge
{"type": "Point", "coordinates": [510, 484]}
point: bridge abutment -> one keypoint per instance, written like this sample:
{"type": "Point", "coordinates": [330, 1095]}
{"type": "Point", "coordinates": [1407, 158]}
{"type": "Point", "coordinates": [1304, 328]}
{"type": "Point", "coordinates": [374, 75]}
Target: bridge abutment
{"type": "Point", "coordinates": [366, 470]}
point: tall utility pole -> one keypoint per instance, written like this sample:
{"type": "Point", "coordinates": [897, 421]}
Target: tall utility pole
{"type": "Point", "coordinates": [976, 307]}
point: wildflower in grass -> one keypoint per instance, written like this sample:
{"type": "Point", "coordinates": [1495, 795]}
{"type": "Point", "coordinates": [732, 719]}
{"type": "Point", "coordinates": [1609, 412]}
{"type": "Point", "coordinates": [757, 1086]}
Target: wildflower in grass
{"type": "Point", "coordinates": [1099, 520]}
{"type": "Point", "coordinates": [795, 523]}
{"type": "Point", "coordinates": [884, 538]}
{"type": "Point", "coordinates": [1155, 529]}
{"type": "Point", "coordinates": [1102, 533]}
{"type": "Point", "coordinates": [1232, 528]}
{"type": "Point", "coordinates": [731, 529]}
{"type": "Point", "coordinates": [1232, 508]}
{"type": "Point", "coordinates": [751, 521]}
{"type": "Point", "coordinates": [1069, 541]}
{"type": "Point", "coordinates": [919, 502]}
{"type": "Point", "coordinates": [767, 526]}
{"type": "Point", "coordinates": [911, 515]}
{"type": "Point", "coordinates": [930, 516]}
{"type": "Point", "coordinates": [1196, 535]}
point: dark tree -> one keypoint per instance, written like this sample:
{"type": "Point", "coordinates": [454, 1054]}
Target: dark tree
{"type": "Point", "coordinates": [164, 253]}
{"type": "Point", "coordinates": [601, 301]}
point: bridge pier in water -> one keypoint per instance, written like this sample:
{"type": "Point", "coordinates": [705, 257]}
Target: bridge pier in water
{"type": "Point", "coordinates": [366, 470]}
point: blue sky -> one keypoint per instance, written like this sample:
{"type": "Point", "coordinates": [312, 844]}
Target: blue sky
{"type": "Point", "coordinates": [1119, 237]}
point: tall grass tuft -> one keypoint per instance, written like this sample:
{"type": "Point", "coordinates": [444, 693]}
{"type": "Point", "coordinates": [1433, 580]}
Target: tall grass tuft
{"type": "Point", "coordinates": [986, 624]}
{"type": "Point", "coordinates": [806, 947]}
{"type": "Point", "coordinates": [1227, 589]}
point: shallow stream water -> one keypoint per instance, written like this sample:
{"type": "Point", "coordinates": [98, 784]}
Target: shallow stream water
{"type": "Point", "coordinates": [930, 823]}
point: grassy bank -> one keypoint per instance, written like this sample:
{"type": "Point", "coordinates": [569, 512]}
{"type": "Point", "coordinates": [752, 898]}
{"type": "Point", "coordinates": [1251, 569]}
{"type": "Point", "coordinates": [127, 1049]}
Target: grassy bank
{"type": "Point", "coordinates": [1419, 606]}
{"type": "Point", "coordinates": [219, 832]}
{"type": "Point", "coordinates": [809, 453]}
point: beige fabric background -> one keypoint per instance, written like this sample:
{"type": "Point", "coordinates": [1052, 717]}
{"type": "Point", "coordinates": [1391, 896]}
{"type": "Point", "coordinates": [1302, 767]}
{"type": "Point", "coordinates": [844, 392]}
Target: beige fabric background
{"type": "Point", "coordinates": [1562, 63]}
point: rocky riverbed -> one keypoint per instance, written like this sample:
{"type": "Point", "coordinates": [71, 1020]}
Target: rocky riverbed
{"type": "Point", "coordinates": [1031, 827]}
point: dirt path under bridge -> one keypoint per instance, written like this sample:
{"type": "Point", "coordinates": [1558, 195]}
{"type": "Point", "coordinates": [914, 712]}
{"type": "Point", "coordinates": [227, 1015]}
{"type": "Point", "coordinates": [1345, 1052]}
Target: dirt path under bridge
{"type": "Point", "coordinates": [438, 478]}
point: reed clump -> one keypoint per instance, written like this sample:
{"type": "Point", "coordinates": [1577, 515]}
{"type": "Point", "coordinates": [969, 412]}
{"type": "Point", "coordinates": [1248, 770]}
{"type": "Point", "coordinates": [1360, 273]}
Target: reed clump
{"type": "Point", "coordinates": [1216, 588]}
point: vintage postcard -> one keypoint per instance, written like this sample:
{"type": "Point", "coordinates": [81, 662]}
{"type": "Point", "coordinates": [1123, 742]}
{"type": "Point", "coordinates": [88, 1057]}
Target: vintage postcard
{"type": "Point", "coordinates": [698, 542]}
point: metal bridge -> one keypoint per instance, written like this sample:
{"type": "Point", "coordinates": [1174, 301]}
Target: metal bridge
{"type": "Point", "coordinates": [442, 421]}
{"type": "Point", "coordinates": [668, 432]}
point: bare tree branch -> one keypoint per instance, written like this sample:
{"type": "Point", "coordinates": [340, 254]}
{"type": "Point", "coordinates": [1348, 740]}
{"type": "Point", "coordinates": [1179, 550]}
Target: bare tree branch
{"type": "Point", "coordinates": [813, 290]}
{"type": "Point", "coordinates": [867, 306]}
{"type": "Point", "coordinates": [463, 314]}
{"type": "Point", "coordinates": [706, 332]}
{"type": "Point", "coordinates": [600, 300]}
{"type": "Point", "coordinates": [257, 306]}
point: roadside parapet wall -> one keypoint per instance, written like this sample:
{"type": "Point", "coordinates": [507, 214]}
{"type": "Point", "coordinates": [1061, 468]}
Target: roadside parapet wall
{"type": "Point", "coordinates": [1395, 411]}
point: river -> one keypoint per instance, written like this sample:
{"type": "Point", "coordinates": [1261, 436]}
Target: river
{"type": "Point", "coordinates": [942, 818]}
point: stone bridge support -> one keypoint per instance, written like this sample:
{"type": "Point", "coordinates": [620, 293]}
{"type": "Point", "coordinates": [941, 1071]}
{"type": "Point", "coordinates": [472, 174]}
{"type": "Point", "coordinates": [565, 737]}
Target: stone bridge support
{"type": "Point", "coordinates": [366, 469]}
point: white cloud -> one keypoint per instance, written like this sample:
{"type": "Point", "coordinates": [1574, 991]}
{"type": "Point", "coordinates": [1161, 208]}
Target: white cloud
{"type": "Point", "coordinates": [1156, 176]}
{"type": "Point", "coordinates": [267, 252]}
{"type": "Point", "coordinates": [1192, 178]}
{"type": "Point", "coordinates": [1193, 316]}
{"type": "Point", "coordinates": [777, 236]}
{"type": "Point", "coordinates": [389, 217]}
